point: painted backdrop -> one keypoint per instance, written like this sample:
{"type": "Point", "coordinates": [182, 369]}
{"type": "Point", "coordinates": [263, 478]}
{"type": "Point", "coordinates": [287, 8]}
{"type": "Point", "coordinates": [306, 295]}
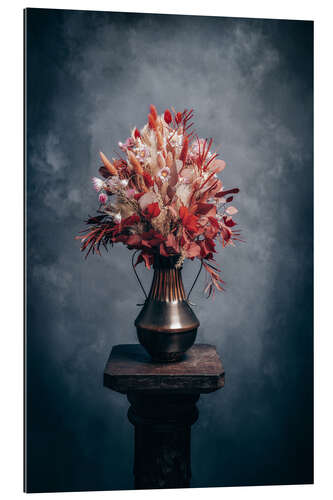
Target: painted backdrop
{"type": "Point", "coordinates": [90, 77]}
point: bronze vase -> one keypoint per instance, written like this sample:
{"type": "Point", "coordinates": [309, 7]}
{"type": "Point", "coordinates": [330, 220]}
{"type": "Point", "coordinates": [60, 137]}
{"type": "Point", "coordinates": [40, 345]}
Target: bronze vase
{"type": "Point", "coordinates": [167, 326]}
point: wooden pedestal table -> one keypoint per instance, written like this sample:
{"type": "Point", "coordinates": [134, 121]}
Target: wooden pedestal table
{"type": "Point", "coordinates": [163, 407]}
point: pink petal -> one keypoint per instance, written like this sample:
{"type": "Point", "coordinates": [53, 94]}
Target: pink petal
{"type": "Point", "coordinates": [217, 165]}
{"type": "Point", "coordinates": [231, 211]}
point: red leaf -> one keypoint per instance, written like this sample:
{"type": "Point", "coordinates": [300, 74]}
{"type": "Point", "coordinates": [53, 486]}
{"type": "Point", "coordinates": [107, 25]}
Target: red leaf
{"type": "Point", "coordinates": [183, 212]}
{"type": "Point", "coordinates": [211, 231]}
{"type": "Point", "coordinates": [226, 234]}
{"type": "Point", "coordinates": [137, 133]}
{"type": "Point", "coordinates": [145, 257]}
{"type": "Point", "coordinates": [163, 250]}
{"type": "Point", "coordinates": [134, 240]}
{"type": "Point", "coordinates": [229, 191]}
{"type": "Point", "coordinates": [229, 222]}
{"type": "Point", "coordinates": [137, 196]}
{"type": "Point", "coordinates": [132, 219]}
{"type": "Point", "coordinates": [121, 238]}
{"type": "Point", "coordinates": [209, 243]}
{"type": "Point", "coordinates": [204, 208]}
{"type": "Point", "coordinates": [153, 237]}
{"type": "Point", "coordinates": [221, 194]}
{"type": "Point", "coordinates": [152, 210]}
{"type": "Point", "coordinates": [190, 221]}
{"type": "Point", "coordinates": [193, 250]}
{"type": "Point", "coordinates": [214, 222]}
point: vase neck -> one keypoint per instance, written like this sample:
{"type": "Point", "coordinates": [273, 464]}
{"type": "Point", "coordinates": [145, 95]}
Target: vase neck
{"type": "Point", "coordinates": [167, 285]}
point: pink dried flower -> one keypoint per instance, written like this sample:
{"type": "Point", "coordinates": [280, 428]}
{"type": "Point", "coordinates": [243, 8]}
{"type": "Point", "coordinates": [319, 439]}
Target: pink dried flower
{"type": "Point", "coordinates": [193, 153]}
{"type": "Point", "coordinates": [102, 198]}
{"type": "Point", "coordinates": [129, 144]}
{"type": "Point", "coordinates": [130, 193]}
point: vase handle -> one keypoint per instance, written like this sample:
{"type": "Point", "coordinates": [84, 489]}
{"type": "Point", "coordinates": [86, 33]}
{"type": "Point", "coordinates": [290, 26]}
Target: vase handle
{"type": "Point", "coordinates": [137, 276]}
{"type": "Point", "coordinates": [194, 282]}
{"type": "Point", "coordinates": [142, 287]}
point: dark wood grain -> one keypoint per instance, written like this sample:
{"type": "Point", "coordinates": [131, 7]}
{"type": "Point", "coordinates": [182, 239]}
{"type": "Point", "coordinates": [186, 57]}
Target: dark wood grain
{"type": "Point", "coordinates": [130, 369]}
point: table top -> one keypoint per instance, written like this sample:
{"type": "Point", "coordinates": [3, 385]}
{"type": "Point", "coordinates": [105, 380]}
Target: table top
{"type": "Point", "coordinates": [130, 368]}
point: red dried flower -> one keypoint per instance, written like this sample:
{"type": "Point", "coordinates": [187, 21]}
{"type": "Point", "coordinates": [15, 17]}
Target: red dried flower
{"type": "Point", "coordinates": [152, 210]}
{"type": "Point", "coordinates": [170, 174]}
{"type": "Point", "coordinates": [190, 221]}
{"type": "Point", "coordinates": [153, 112]}
{"type": "Point", "coordinates": [183, 154]}
{"type": "Point", "coordinates": [214, 222]}
{"type": "Point", "coordinates": [148, 180]}
{"type": "Point", "coordinates": [151, 121]}
{"type": "Point", "coordinates": [178, 117]}
{"type": "Point", "coordinates": [167, 116]}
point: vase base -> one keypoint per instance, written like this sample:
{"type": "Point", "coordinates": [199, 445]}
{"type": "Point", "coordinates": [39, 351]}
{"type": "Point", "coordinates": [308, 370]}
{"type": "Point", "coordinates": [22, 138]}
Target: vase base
{"type": "Point", "coordinates": [166, 347]}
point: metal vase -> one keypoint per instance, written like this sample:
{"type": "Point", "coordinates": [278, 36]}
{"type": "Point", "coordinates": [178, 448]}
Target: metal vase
{"type": "Point", "coordinates": [167, 326]}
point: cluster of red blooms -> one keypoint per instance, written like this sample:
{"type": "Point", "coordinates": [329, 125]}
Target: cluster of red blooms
{"type": "Point", "coordinates": [163, 196]}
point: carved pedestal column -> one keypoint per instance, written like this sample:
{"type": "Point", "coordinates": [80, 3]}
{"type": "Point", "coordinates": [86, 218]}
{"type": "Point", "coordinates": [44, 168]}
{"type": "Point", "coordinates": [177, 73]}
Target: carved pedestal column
{"type": "Point", "coordinates": [162, 439]}
{"type": "Point", "coordinates": [163, 408]}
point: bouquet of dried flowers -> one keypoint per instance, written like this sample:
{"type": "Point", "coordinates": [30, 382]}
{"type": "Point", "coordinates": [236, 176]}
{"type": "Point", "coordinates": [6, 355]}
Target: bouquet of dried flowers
{"type": "Point", "coordinates": [162, 195]}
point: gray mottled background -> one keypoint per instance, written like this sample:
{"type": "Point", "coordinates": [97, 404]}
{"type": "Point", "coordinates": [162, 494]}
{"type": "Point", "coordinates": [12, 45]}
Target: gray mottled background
{"type": "Point", "coordinates": [90, 77]}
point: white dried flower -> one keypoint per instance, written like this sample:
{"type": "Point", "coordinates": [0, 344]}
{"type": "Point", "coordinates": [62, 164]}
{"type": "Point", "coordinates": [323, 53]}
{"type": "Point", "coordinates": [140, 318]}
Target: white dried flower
{"type": "Point", "coordinates": [116, 183]}
{"type": "Point", "coordinates": [97, 183]}
{"type": "Point", "coordinates": [164, 173]}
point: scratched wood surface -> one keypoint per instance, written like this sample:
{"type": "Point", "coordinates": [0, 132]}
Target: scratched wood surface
{"type": "Point", "coordinates": [129, 368]}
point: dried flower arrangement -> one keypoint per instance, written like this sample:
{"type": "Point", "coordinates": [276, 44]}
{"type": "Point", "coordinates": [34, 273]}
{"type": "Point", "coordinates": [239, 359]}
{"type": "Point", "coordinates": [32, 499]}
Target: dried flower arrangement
{"type": "Point", "coordinates": [163, 196]}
